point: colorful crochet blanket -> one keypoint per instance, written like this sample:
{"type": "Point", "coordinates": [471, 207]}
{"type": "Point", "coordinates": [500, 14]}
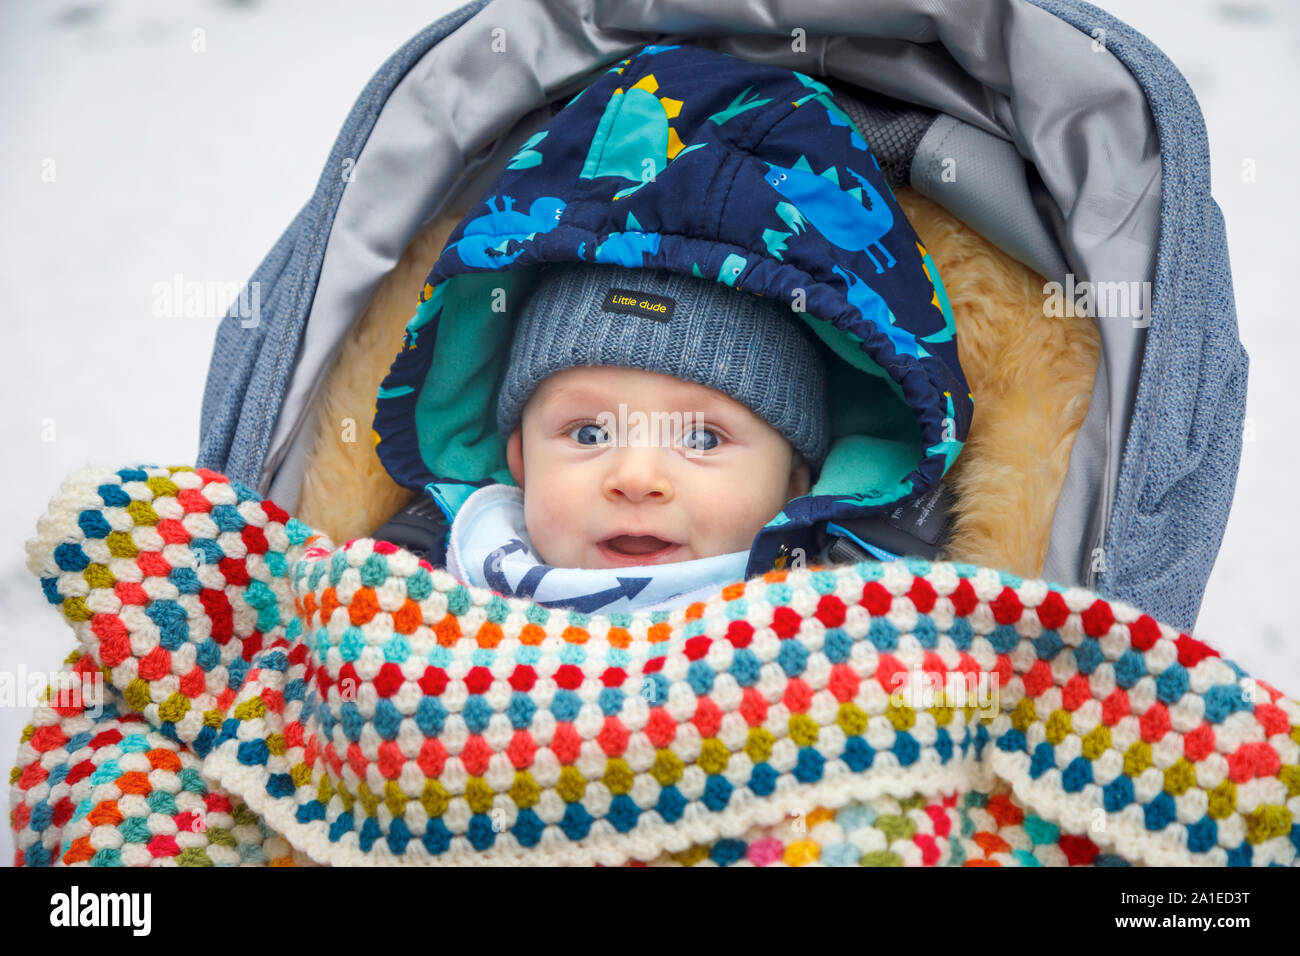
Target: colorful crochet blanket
{"type": "Point", "coordinates": [247, 693]}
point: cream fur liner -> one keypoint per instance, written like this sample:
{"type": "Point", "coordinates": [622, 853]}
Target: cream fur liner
{"type": "Point", "coordinates": [1031, 377]}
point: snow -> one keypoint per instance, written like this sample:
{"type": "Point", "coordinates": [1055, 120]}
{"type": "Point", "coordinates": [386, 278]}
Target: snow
{"type": "Point", "coordinates": [159, 151]}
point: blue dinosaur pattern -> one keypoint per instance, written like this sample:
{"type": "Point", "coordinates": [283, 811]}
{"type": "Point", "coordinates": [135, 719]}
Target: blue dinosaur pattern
{"type": "Point", "coordinates": [820, 202]}
{"type": "Point", "coordinates": [486, 238]}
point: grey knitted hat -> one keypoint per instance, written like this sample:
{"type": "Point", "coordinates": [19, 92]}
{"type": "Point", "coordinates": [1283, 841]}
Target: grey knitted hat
{"type": "Point", "coordinates": [750, 347]}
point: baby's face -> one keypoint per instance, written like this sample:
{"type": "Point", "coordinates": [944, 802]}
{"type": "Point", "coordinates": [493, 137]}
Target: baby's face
{"type": "Point", "coordinates": [694, 485]}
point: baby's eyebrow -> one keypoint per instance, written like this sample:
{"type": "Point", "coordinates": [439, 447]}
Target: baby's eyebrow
{"type": "Point", "coordinates": [577, 393]}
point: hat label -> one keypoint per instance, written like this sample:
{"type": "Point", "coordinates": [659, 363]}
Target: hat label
{"type": "Point", "coordinates": [629, 302]}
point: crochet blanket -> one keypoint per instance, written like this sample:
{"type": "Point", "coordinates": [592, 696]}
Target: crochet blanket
{"type": "Point", "coordinates": [245, 692]}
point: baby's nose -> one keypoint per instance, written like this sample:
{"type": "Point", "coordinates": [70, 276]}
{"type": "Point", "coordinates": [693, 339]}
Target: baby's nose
{"type": "Point", "coordinates": [638, 474]}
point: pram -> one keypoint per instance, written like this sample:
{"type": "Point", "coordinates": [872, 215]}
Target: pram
{"type": "Point", "coordinates": [1121, 199]}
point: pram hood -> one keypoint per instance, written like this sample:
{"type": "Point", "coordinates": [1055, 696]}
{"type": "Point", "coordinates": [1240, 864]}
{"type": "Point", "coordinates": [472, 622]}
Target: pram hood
{"type": "Point", "coordinates": [690, 159]}
{"type": "Point", "coordinates": [1058, 132]}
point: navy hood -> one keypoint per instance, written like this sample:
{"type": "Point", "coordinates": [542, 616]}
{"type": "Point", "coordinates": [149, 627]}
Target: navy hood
{"type": "Point", "coordinates": [689, 159]}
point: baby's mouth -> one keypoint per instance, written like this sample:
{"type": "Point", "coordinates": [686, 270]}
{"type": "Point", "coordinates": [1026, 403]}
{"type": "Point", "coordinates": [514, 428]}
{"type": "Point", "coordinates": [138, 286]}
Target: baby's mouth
{"type": "Point", "coordinates": [637, 545]}
{"type": "Point", "coordinates": [626, 550]}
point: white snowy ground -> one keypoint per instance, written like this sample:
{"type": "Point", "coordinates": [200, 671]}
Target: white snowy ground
{"type": "Point", "coordinates": [165, 160]}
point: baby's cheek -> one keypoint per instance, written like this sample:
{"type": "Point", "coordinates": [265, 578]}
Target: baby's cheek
{"type": "Point", "coordinates": [555, 525]}
{"type": "Point", "coordinates": [728, 523]}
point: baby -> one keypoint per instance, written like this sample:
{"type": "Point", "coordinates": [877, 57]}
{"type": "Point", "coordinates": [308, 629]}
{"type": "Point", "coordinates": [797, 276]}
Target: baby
{"type": "Point", "coordinates": [655, 421]}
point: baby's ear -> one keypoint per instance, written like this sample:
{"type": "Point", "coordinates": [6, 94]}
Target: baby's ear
{"type": "Point", "coordinates": [515, 455]}
{"type": "Point", "coordinates": [800, 477]}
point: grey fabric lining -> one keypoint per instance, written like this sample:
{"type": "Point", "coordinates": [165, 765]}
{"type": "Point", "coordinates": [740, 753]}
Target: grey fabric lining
{"type": "Point", "coordinates": [1091, 163]}
{"type": "Point", "coordinates": [981, 180]}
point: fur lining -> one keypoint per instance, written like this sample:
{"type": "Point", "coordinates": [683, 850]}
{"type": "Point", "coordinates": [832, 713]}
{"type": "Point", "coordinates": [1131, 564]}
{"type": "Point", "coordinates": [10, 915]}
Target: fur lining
{"type": "Point", "coordinates": [1031, 377]}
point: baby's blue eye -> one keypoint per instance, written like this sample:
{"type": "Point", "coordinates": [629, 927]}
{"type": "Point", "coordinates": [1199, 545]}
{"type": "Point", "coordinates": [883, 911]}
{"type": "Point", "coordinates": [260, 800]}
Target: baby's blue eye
{"type": "Point", "coordinates": [597, 435]}
{"type": "Point", "coordinates": [702, 431]}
